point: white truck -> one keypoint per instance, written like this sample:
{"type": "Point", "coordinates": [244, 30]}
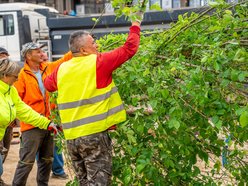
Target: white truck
{"type": "Point", "coordinates": [21, 23]}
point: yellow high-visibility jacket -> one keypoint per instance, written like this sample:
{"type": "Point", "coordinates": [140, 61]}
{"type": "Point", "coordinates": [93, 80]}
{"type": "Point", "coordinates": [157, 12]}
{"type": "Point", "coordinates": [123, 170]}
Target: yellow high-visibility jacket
{"type": "Point", "coordinates": [11, 107]}
{"type": "Point", "coordinates": [83, 108]}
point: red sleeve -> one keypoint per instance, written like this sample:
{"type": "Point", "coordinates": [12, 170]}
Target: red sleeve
{"type": "Point", "coordinates": [109, 61]}
{"type": "Point", "coordinates": [50, 81]}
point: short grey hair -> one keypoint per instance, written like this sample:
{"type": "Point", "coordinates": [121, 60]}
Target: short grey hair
{"type": "Point", "coordinates": [77, 40]}
{"type": "Point", "coordinates": [8, 67]}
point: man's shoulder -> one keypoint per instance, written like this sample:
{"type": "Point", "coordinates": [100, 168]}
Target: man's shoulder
{"type": "Point", "coordinates": [45, 64]}
{"type": "Point", "coordinates": [24, 72]}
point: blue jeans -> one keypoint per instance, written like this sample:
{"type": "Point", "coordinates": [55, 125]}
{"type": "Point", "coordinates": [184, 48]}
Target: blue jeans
{"type": "Point", "coordinates": [58, 163]}
{"type": "Point", "coordinates": [1, 165]}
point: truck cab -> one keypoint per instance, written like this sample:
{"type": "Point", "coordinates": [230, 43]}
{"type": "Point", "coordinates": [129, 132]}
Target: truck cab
{"type": "Point", "coordinates": [21, 23]}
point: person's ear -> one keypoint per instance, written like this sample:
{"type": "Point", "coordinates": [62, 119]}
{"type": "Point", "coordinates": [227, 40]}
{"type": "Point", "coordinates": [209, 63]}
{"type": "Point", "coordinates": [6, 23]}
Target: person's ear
{"type": "Point", "coordinates": [28, 55]}
{"type": "Point", "coordinates": [83, 51]}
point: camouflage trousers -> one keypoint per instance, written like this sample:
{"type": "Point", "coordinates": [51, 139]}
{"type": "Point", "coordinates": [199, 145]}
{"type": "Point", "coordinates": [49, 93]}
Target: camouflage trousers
{"type": "Point", "coordinates": [92, 159]}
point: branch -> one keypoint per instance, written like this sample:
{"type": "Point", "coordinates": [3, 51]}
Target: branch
{"type": "Point", "coordinates": [104, 48]}
{"type": "Point", "coordinates": [98, 19]}
{"type": "Point", "coordinates": [241, 92]}
{"type": "Point", "coordinates": [241, 43]}
{"type": "Point", "coordinates": [143, 4]}
{"type": "Point", "coordinates": [189, 25]}
{"type": "Point", "coordinates": [192, 23]}
{"type": "Point", "coordinates": [236, 29]}
{"type": "Point", "coordinates": [204, 69]}
{"type": "Point", "coordinates": [193, 108]}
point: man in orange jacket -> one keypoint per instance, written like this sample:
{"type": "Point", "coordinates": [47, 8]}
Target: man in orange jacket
{"type": "Point", "coordinates": [34, 140]}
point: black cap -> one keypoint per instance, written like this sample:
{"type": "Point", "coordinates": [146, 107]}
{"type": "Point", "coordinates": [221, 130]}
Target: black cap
{"type": "Point", "coordinates": [3, 51]}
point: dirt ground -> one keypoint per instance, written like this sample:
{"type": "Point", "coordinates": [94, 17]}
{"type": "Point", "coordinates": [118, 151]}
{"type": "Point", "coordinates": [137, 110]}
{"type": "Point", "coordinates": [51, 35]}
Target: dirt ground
{"type": "Point", "coordinates": [10, 165]}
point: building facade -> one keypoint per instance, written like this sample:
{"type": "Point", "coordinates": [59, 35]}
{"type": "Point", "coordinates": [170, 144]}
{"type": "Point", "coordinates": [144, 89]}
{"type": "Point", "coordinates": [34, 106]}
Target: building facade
{"type": "Point", "coordinates": [84, 7]}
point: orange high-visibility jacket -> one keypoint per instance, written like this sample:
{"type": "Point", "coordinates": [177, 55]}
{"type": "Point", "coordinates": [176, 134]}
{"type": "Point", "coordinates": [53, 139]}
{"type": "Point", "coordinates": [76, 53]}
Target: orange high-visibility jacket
{"type": "Point", "coordinates": [29, 91]}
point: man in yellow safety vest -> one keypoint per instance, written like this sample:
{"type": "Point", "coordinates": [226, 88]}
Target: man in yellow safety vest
{"type": "Point", "coordinates": [89, 103]}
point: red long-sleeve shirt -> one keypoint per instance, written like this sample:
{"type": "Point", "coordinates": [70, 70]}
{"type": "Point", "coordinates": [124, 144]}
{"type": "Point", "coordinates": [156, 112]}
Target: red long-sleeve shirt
{"type": "Point", "coordinates": [106, 62]}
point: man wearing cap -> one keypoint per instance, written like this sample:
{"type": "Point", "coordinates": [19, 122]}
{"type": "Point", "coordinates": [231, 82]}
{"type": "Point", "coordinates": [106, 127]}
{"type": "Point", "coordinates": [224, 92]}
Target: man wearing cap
{"type": "Point", "coordinates": [34, 140]}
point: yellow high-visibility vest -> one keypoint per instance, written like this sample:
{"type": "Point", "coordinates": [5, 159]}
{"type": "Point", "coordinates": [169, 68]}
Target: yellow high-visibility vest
{"type": "Point", "coordinates": [83, 108]}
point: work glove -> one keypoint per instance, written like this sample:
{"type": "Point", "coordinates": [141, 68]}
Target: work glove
{"type": "Point", "coordinates": [55, 128]}
{"type": "Point", "coordinates": [137, 16]}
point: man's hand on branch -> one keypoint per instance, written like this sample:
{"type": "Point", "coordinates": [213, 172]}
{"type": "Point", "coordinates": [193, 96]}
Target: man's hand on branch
{"type": "Point", "coordinates": [137, 17]}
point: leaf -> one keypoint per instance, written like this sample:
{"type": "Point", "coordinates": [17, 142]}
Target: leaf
{"type": "Point", "coordinates": [225, 82]}
{"type": "Point", "coordinates": [126, 11]}
{"type": "Point", "coordinates": [244, 119]}
{"type": "Point", "coordinates": [165, 93]}
{"type": "Point", "coordinates": [180, 18]}
{"type": "Point", "coordinates": [203, 155]}
{"type": "Point", "coordinates": [169, 163]}
{"type": "Point", "coordinates": [239, 111]}
{"type": "Point", "coordinates": [127, 178]}
{"type": "Point", "coordinates": [156, 6]}
{"type": "Point", "coordinates": [218, 124]}
{"type": "Point", "coordinates": [196, 171]}
{"type": "Point", "coordinates": [229, 12]}
{"type": "Point", "coordinates": [241, 76]}
{"type": "Point", "coordinates": [130, 68]}
{"type": "Point", "coordinates": [228, 18]}
{"type": "Point", "coordinates": [216, 66]}
{"type": "Point", "coordinates": [213, 3]}
{"type": "Point", "coordinates": [131, 139]}
{"type": "Point", "coordinates": [217, 165]}
{"type": "Point", "coordinates": [204, 59]}
{"type": "Point", "coordinates": [173, 123]}
{"type": "Point", "coordinates": [146, 72]}
{"type": "Point", "coordinates": [140, 167]}
{"type": "Point", "coordinates": [234, 75]}
{"type": "Point", "coordinates": [238, 55]}
{"type": "Point", "coordinates": [215, 119]}
{"type": "Point", "coordinates": [140, 129]}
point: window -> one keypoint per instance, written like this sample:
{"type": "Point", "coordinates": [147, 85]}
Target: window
{"type": "Point", "coordinates": [92, 6]}
{"type": "Point", "coordinates": [176, 4]}
{"type": "Point", "coordinates": [1, 26]}
{"type": "Point", "coordinates": [6, 25]}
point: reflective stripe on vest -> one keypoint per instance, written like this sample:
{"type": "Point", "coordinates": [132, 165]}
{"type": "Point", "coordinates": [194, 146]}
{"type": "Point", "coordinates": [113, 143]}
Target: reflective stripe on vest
{"type": "Point", "coordinates": [83, 108]}
{"type": "Point", "coordinates": [87, 101]}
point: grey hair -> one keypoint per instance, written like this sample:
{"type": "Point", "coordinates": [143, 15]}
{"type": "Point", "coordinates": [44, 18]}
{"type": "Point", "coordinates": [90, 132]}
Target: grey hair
{"type": "Point", "coordinates": [77, 40]}
{"type": "Point", "coordinates": [8, 67]}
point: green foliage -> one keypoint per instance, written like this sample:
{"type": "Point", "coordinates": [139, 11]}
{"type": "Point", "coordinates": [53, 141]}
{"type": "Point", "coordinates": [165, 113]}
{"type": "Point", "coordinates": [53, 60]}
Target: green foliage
{"type": "Point", "coordinates": [56, 119]}
{"type": "Point", "coordinates": [156, 6]}
{"type": "Point", "coordinates": [127, 8]}
{"type": "Point", "coordinates": [185, 91]}
{"type": "Point", "coordinates": [73, 182]}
